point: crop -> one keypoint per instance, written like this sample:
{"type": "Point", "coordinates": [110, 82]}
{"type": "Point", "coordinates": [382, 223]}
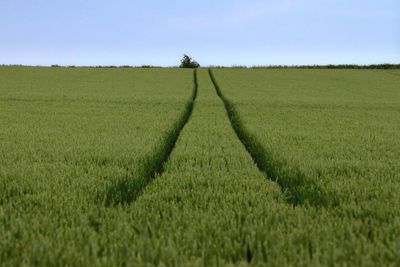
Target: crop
{"type": "Point", "coordinates": [336, 130]}
{"type": "Point", "coordinates": [172, 167]}
{"type": "Point", "coordinates": [69, 138]}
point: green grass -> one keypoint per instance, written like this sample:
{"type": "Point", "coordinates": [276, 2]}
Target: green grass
{"type": "Point", "coordinates": [163, 167]}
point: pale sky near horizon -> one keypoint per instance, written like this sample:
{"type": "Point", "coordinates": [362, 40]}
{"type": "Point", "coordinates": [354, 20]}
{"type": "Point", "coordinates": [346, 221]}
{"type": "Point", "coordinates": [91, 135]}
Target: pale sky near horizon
{"type": "Point", "coordinates": [235, 32]}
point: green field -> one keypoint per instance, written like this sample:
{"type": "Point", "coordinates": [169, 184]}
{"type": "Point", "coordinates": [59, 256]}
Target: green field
{"type": "Point", "coordinates": [222, 167]}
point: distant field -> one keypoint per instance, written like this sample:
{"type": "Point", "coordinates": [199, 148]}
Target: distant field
{"type": "Point", "coordinates": [168, 167]}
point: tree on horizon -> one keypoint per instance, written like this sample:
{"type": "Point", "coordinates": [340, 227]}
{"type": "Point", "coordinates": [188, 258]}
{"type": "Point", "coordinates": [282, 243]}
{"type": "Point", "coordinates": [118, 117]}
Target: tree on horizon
{"type": "Point", "coordinates": [188, 62]}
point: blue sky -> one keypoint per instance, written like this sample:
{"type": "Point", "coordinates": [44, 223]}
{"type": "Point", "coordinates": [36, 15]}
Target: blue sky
{"type": "Point", "coordinates": [223, 32]}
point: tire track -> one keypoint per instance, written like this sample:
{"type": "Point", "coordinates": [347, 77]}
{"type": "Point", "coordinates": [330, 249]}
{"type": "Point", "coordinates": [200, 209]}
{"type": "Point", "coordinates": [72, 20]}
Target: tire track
{"type": "Point", "coordinates": [129, 187]}
{"type": "Point", "coordinates": [298, 189]}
